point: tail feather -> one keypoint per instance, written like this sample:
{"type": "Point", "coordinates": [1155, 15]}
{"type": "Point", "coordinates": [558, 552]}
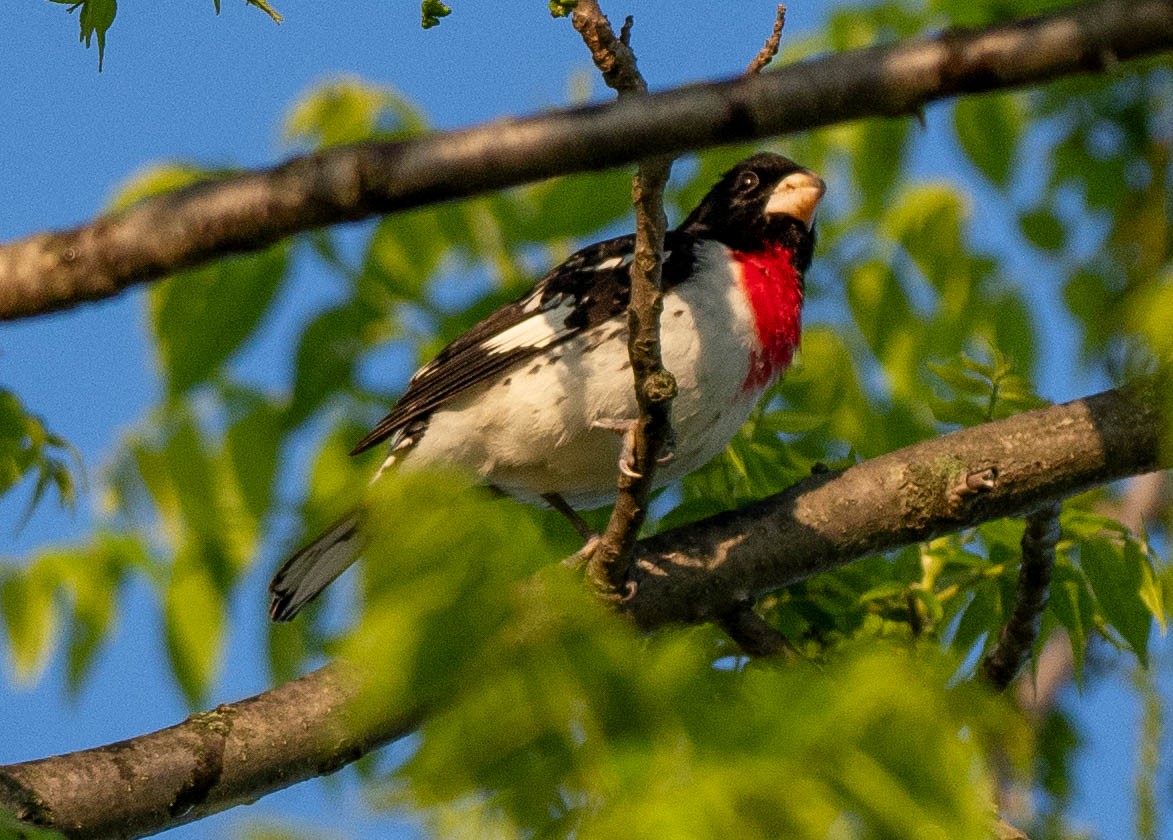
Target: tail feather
{"type": "Point", "coordinates": [304, 575]}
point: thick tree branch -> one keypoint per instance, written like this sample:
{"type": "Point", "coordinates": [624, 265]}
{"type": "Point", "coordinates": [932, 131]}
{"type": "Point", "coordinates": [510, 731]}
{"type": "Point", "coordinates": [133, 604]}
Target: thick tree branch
{"type": "Point", "coordinates": [708, 569]}
{"type": "Point", "coordinates": [696, 572]}
{"type": "Point", "coordinates": [214, 760]}
{"type": "Point", "coordinates": [51, 271]}
{"type": "Point", "coordinates": [610, 559]}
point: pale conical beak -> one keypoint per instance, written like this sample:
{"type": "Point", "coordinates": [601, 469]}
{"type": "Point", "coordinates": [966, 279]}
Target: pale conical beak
{"type": "Point", "coordinates": [797, 195]}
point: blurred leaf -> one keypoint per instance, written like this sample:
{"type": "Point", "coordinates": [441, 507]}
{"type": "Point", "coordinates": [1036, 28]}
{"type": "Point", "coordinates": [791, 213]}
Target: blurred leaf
{"type": "Point", "coordinates": [194, 624]}
{"type": "Point", "coordinates": [982, 391]}
{"type": "Point", "coordinates": [158, 179]}
{"type": "Point", "coordinates": [1116, 579]}
{"type": "Point", "coordinates": [989, 128]}
{"type": "Point", "coordinates": [878, 160]}
{"type": "Point", "coordinates": [1043, 228]}
{"type": "Point", "coordinates": [201, 317]}
{"type": "Point", "coordinates": [404, 252]}
{"type": "Point", "coordinates": [252, 444]}
{"type": "Point", "coordinates": [1071, 604]}
{"type": "Point", "coordinates": [12, 828]}
{"type": "Point", "coordinates": [577, 205]}
{"type": "Point", "coordinates": [96, 574]}
{"type": "Point", "coordinates": [30, 619]}
{"type": "Point", "coordinates": [348, 110]}
{"type": "Point", "coordinates": [327, 352]}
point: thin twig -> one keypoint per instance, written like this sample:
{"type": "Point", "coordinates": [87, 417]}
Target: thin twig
{"type": "Point", "coordinates": [770, 48]}
{"type": "Point", "coordinates": [1034, 579]}
{"type": "Point", "coordinates": [655, 387]}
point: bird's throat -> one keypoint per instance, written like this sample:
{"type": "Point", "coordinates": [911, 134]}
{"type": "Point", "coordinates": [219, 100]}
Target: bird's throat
{"type": "Point", "coordinates": [773, 287]}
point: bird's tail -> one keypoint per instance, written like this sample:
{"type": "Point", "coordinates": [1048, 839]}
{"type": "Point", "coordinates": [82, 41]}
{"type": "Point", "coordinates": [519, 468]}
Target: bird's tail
{"type": "Point", "coordinates": [307, 573]}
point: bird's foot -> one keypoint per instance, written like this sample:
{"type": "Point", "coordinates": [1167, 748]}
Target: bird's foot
{"type": "Point", "coordinates": [626, 429]}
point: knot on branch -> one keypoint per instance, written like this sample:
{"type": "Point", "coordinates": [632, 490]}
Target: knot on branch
{"type": "Point", "coordinates": [660, 387]}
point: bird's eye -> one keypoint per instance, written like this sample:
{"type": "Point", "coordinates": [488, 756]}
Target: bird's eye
{"type": "Point", "coordinates": [747, 181]}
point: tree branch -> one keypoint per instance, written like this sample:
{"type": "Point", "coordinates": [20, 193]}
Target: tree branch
{"type": "Point", "coordinates": [1021, 629]}
{"type": "Point", "coordinates": [708, 569]}
{"type": "Point", "coordinates": [696, 572]}
{"type": "Point", "coordinates": [214, 760]}
{"type": "Point", "coordinates": [610, 558]}
{"type": "Point", "coordinates": [52, 271]}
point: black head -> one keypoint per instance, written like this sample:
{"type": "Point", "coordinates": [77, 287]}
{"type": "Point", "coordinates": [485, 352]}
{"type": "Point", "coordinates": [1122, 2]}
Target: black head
{"type": "Point", "coordinates": [765, 198]}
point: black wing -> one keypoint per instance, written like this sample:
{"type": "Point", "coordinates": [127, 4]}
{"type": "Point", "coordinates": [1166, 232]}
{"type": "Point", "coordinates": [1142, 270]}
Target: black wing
{"type": "Point", "coordinates": [587, 289]}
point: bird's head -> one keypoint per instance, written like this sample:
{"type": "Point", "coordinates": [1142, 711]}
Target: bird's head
{"type": "Point", "coordinates": [766, 198]}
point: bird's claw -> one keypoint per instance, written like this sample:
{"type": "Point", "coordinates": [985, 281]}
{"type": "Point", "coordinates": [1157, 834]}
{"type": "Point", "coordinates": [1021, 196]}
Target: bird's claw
{"type": "Point", "coordinates": [626, 428]}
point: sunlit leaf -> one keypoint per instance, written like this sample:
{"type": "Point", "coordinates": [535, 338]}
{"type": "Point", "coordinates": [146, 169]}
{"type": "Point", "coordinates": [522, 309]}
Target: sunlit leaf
{"type": "Point", "coordinates": [30, 618]}
{"type": "Point", "coordinates": [193, 612]}
{"type": "Point", "coordinates": [349, 110]}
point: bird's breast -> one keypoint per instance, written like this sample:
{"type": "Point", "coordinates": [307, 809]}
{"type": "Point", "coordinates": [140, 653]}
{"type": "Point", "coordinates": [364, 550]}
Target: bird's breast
{"type": "Point", "coordinates": [773, 288]}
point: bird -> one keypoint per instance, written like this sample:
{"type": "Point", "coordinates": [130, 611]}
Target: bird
{"type": "Point", "coordinates": [537, 399]}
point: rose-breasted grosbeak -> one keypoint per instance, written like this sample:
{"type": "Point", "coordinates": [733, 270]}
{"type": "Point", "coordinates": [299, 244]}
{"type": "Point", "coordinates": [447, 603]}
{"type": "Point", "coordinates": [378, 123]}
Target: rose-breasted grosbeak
{"type": "Point", "coordinates": [532, 396]}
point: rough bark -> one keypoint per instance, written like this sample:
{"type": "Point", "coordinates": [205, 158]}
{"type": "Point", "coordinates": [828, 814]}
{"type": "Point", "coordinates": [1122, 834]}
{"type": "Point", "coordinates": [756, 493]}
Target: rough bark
{"type": "Point", "coordinates": [695, 572]}
{"type": "Point", "coordinates": [610, 560]}
{"type": "Point", "coordinates": [52, 271]}
{"type": "Point", "coordinates": [214, 760]}
{"type": "Point", "coordinates": [708, 569]}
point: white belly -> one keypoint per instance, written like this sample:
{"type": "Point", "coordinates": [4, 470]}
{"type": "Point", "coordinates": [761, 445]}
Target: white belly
{"type": "Point", "coordinates": [529, 432]}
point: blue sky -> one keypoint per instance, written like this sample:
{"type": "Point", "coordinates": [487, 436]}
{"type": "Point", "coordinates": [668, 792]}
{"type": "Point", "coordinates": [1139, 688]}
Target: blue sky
{"type": "Point", "coordinates": [180, 82]}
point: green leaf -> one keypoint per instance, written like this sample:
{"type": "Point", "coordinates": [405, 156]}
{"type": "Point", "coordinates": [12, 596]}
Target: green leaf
{"type": "Point", "coordinates": [95, 575]}
{"type": "Point", "coordinates": [251, 444]}
{"type": "Point", "coordinates": [575, 206]}
{"type": "Point", "coordinates": [1116, 578]}
{"type": "Point", "coordinates": [989, 128]}
{"type": "Point", "coordinates": [158, 179]}
{"type": "Point", "coordinates": [264, 7]}
{"type": "Point", "coordinates": [327, 351]}
{"type": "Point", "coordinates": [12, 828]}
{"type": "Point", "coordinates": [878, 160]}
{"type": "Point", "coordinates": [348, 111]}
{"type": "Point", "coordinates": [27, 447]}
{"type": "Point", "coordinates": [96, 17]}
{"type": "Point", "coordinates": [404, 253]}
{"type": "Point", "coordinates": [193, 612]}
{"type": "Point", "coordinates": [431, 11]}
{"type": "Point", "coordinates": [201, 317]}
{"type": "Point", "coordinates": [1043, 228]}
{"type": "Point", "coordinates": [1072, 605]}
{"type": "Point", "coordinates": [562, 8]}
{"type": "Point", "coordinates": [28, 602]}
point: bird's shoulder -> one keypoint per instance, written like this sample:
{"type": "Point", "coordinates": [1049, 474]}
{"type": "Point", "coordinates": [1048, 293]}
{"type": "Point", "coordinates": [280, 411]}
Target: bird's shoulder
{"type": "Point", "coordinates": [589, 288]}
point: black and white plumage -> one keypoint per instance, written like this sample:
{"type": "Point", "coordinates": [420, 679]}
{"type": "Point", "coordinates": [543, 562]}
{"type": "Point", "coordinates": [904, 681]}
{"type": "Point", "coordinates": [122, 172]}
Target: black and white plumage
{"type": "Point", "coordinates": [529, 397]}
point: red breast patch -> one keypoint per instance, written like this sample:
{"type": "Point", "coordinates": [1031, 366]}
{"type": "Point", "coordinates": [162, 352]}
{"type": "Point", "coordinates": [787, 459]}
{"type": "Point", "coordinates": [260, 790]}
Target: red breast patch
{"type": "Point", "coordinates": [774, 290]}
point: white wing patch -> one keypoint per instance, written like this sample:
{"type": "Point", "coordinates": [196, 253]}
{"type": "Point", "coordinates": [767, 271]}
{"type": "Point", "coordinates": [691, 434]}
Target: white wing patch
{"type": "Point", "coordinates": [535, 332]}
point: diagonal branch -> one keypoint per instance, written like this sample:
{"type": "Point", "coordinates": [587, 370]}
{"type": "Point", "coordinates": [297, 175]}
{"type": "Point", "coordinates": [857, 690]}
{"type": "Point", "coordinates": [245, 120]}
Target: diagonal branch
{"type": "Point", "coordinates": [47, 272]}
{"type": "Point", "coordinates": [241, 751]}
